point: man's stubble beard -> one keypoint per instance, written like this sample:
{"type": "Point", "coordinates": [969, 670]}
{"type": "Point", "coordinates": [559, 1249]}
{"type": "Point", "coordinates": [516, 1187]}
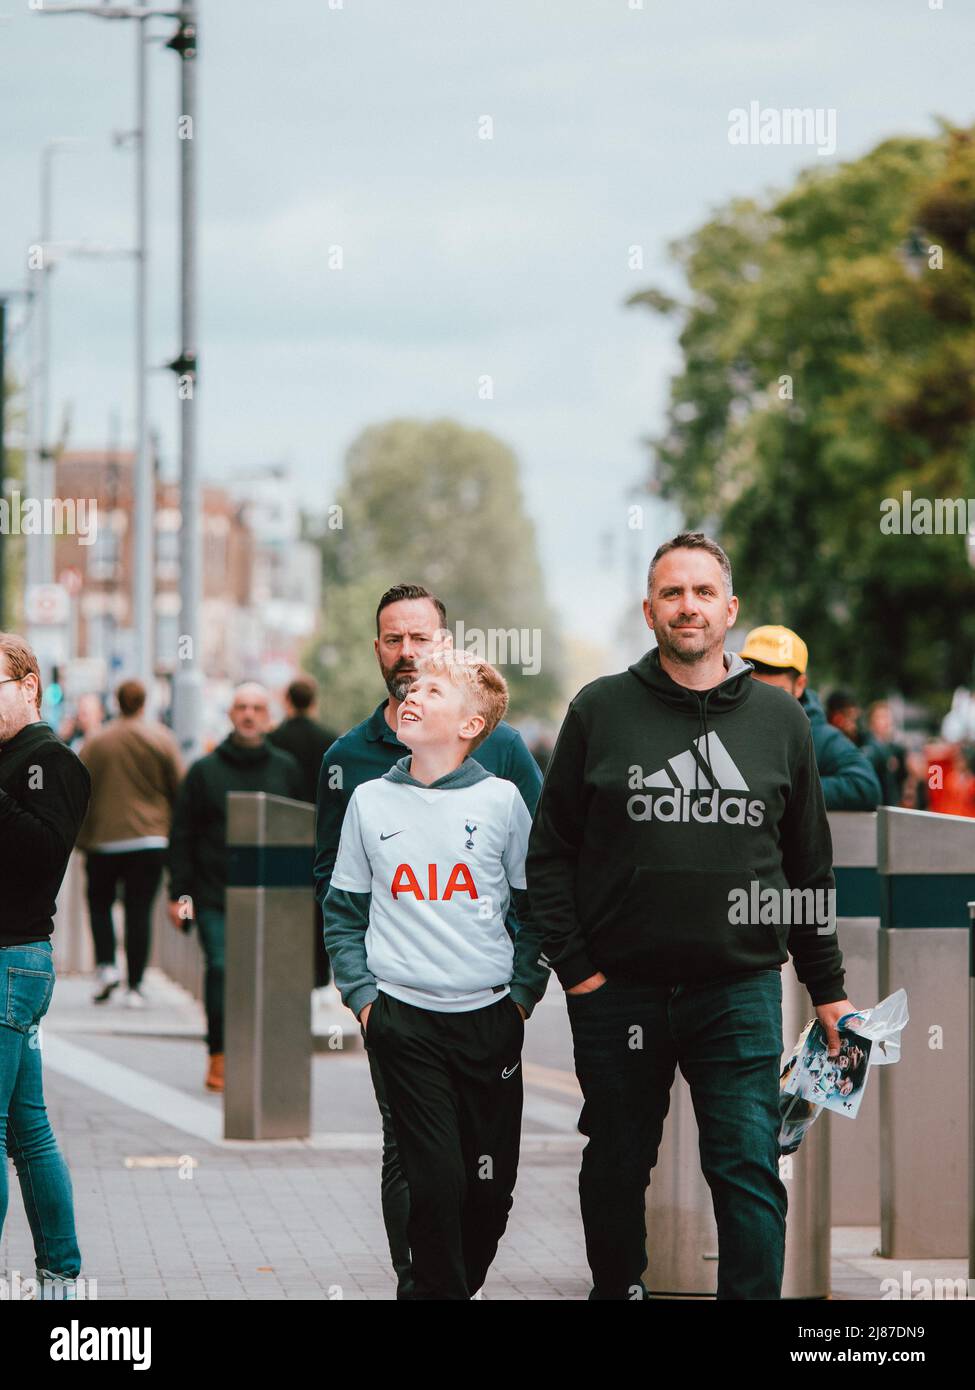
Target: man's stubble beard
{"type": "Point", "coordinates": [397, 684]}
{"type": "Point", "coordinates": [687, 656]}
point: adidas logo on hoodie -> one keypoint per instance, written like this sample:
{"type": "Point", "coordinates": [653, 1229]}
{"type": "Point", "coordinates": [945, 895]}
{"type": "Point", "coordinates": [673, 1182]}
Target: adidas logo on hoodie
{"type": "Point", "coordinates": [693, 786]}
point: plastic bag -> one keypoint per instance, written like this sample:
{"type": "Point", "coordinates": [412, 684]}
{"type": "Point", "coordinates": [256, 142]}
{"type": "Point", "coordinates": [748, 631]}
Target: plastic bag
{"type": "Point", "coordinates": [812, 1081]}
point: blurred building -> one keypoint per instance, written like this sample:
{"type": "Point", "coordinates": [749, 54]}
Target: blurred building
{"type": "Point", "coordinates": [287, 571]}
{"type": "Point", "coordinates": [99, 575]}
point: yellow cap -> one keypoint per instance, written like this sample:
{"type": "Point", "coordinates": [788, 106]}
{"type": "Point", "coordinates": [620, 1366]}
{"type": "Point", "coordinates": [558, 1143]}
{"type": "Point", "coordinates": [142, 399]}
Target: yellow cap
{"type": "Point", "coordinates": [776, 646]}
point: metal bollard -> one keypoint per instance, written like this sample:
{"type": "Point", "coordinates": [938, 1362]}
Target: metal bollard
{"type": "Point", "coordinates": [269, 968]}
{"type": "Point", "coordinates": [926, 871]}
{"type": "Point", "coordinates": [855, 1146]}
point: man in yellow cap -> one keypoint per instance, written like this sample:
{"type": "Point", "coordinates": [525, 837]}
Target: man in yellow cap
{"type": "Point", "coordinates": [780, 657]}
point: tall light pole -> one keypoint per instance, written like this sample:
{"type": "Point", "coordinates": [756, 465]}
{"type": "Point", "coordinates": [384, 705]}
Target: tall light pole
{"type": "Point", "coordinates": [188, 678]}
{"type": "Point", "coordinates": [143, 484]}
{"type": "Point", "coordinates": [42, 570]}
{"type": "Point", "coordinates": [143, 489]}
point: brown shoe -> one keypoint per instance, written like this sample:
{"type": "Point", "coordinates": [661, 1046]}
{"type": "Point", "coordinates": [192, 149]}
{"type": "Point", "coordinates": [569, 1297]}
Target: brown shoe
{"type": "Point", "coordinates": [214, 1081]}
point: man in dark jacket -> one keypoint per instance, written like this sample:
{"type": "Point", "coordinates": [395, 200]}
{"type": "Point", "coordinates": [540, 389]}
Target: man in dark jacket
{"type": "Point", "coordinates": [44, 793]}
{"type": "Point", "coordinates": [244, 762]}
{"type": "Point", "coordinates": [888, 758]}
{"type": "Point", "coordinates": [780, 657]}
{"type": "Point", "coordinates": [303, 737]}
{"type": "Point", "coordinates": [678, 793]}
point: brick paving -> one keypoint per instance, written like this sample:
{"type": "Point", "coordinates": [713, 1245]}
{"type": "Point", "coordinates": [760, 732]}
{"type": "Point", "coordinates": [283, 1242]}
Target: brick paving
{"type": "Point", "coordinates": [294, 1219]}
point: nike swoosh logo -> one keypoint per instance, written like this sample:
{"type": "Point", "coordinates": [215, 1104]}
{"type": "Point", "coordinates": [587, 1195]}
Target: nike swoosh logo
{"type": "Point", "coordinates": [390, 836]}
{"type": "Point", "coordinates": [509, 1071]}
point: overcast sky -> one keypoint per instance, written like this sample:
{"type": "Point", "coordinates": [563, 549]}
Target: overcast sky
{"type": "Point", "coordinates": [463, 257]}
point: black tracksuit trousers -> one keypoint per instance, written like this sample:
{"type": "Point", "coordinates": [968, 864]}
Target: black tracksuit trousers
{"type": "Point", "coordinates": [454, 1088]}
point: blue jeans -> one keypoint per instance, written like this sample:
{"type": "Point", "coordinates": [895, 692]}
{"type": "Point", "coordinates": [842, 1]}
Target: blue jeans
{"type": "Point", "coordinates": [726, 1035]}
{"type": "Point", "coordinates": [212, 928]}
{"type": "Point", "coordinates": [26, 986]}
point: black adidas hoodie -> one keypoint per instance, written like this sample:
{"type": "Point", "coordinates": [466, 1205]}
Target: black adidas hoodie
{"type": "Point", "coordinates": [657, 803]}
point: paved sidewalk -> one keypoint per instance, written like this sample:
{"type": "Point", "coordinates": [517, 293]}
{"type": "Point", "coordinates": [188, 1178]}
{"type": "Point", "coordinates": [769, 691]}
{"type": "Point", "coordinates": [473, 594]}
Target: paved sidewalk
{"type": "Point", "coordinates": [167, 1209]}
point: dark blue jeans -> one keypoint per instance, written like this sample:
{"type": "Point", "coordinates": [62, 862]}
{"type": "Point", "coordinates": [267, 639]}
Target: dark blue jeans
{"type": "Point", "coordinates": [726, 1035]}
{"type": "Point", "coordinates": [213, 936]}
{"type": "Point", "coordinates": [26, 986]}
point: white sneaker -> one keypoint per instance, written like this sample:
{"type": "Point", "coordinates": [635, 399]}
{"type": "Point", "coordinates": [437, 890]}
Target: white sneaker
{"type": "Point", "coordinates": [55, 1286]}
{"type": "Point", "coordinates": [107, 978]}
{"type": "Point", "coordinates": [135, 999]}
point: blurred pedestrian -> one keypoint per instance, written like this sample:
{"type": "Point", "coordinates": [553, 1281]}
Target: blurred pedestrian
{"type": "Point", "coordinates": [244, 762]}
{"type": "Point", "coordinates": [887, 757]}
{"type": "Point", "coordinates": [843, 713]}
{"type": "Point", "coordinates": [306, 740]}
{"type": "Point", "coordinates": [301, 735]}
{"type": "Point", "coordinates": [44, 792]}
{"type": "Point", "coordinates": [780, 657]}
{"type": "Point", "coordinates": [541, 751]}
{"type": "Point", "coordinates": [136, 769]}
{"type": "Point", "coordinates": [950, 782]}
{"type": "Point", "coordinates": [86, 722]}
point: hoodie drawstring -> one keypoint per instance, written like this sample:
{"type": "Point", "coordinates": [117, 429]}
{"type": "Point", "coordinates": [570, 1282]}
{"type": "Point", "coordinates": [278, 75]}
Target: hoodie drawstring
{"type": "Point", "coordinates": [702, 742]}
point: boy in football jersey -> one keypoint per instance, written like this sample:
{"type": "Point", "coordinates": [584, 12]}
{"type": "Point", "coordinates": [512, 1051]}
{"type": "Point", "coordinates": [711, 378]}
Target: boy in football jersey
{"type": "Point", "coordinates": [431, 857]}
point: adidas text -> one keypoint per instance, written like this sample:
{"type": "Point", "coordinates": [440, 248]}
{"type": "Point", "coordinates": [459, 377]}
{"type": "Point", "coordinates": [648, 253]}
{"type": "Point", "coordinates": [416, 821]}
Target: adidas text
{"type": "Point", "coordinates": [707, 808]}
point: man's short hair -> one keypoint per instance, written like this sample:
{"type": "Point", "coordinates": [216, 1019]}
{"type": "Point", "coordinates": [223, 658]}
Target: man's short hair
{"type": "Point", "coordinates": [692, 540]}
{"type": "Point", "coordinates": [21, 660]}
{"type": "Point", "coordinates": [839, 701]}
{"type": "Point", "coordinates": [483, 685]}
{"type": "Point", "coordinates": [410, 591]}
{"type": "Point", "coordinates": [131, 696]}
{"type": "Point", "coordinates": [250, 685]}
{"type": "Point", "coordinates": [302, 693]}
{"type": "Point", "coordinates": [761, 669]}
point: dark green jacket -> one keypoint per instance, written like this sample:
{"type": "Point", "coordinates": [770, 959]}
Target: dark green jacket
{"type": "Point", "coordinates": [849, 782]}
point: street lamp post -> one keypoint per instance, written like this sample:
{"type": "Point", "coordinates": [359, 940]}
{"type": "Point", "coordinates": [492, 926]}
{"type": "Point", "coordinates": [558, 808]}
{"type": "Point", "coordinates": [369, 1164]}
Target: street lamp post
{"type": "Point", "coordinates": [143, 571]}
{"type": "Point", "coordinates": [188, 679]}
{"type": "Point", "coordinates": [42, 571]}
{"type": "Point", "coordinates": [143, 490]}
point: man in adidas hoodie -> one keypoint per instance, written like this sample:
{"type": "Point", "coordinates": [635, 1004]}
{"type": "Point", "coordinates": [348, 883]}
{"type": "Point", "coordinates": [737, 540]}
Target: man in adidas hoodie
{"type": "Point", "coordinates": [679, 791]}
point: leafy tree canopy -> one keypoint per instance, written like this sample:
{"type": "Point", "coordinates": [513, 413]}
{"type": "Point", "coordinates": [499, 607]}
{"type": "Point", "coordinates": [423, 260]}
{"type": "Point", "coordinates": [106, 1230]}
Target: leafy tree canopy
{"type": "Point", "coordinates": [828, 364]}
{"type": "Point", "coordinates": [436, 504]}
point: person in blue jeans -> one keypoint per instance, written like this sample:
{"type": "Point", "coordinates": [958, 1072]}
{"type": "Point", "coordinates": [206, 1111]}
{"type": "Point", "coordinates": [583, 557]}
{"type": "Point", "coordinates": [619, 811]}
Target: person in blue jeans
{"type": "Point", "coordinates": [44, 794]}
{"type": "Point", "coordinates": [26, 986]}
{"type": "Point", "coordinates": [679, 855]}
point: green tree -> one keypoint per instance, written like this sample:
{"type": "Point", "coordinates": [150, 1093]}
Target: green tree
{"type": "Point", "coordinates": [829, 363]}
{"type": "Point", "coordinates": [439, 505]}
